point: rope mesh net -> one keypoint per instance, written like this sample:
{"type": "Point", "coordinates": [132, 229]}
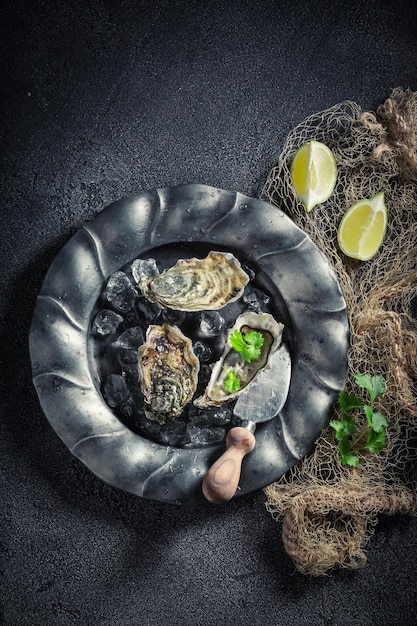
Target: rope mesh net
{"type": "Point", "coordinates": [328, 510]}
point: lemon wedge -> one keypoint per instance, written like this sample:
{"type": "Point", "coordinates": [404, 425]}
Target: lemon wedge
{"type": "Point", "coordinates": [313, 173]}
{"type": "Point", "coordinates": [362, 229]}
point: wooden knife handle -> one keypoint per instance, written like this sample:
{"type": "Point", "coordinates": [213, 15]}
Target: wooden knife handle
{"type": "Point", "coordinates": [222, 479]}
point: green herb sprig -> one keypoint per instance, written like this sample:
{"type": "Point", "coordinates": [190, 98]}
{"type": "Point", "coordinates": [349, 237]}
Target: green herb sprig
{"type": "Point", "coordinates": [372, 436]}
{"type": "Point", "coordinates": [248, 345]}
{"type": "Point", "coordinates": [232, 382]}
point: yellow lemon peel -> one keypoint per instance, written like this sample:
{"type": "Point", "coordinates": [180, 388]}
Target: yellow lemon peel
{"type": "Point", "coordinates": [313, 173]}
{"type": "Point", "coordinates": [362, 229]}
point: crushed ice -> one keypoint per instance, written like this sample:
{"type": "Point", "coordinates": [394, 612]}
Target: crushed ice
{"type": "Point", "coordinates": [123, 320]}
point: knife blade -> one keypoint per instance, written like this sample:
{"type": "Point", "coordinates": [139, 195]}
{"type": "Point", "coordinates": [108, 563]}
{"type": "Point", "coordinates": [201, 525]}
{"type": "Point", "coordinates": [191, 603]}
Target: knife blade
{"type": "Point", "coordinates": [262, 401]}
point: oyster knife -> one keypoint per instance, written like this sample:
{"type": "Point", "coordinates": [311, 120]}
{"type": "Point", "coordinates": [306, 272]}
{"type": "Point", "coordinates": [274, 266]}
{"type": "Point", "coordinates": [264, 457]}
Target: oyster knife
{"type": "Point", "coordinates": [263, 400]}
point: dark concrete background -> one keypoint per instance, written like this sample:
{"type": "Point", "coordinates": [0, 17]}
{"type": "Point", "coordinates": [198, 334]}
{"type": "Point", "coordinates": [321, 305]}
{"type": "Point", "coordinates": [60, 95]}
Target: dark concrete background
{"type": "Point", "coordinates": [100, 100]}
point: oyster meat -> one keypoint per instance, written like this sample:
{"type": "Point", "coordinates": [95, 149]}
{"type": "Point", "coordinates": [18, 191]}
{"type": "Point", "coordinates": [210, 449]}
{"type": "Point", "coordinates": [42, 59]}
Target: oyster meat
{"type": "Point", "coordinates": [168, 372]}
{"type": "Point", "coordinates": [197, 284]}
{"type": "Point", "coordinates": [271, 330]}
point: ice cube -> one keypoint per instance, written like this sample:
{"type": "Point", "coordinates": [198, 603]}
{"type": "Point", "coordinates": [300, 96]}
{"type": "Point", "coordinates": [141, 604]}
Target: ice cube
{"type": "Point", "coordinates": [144, 268]}
{"type": "Point", "coordinates": [130, 368]}
{"type": "Point", "coordinates": [120, 292]}
{"type": "Point", "coordinates": [148, 311]}
{"type": "Point", "coordinates": [203, 379]}
{"type": "Point", "coordinates": [256, 300]}
{"type": "Point", "coordinates": [205, 436]}
{"type": "Point", "coordinates": [132, 318]}
{"type": "Point", "coordinates": [249, 271]}
{"type": "Point", "coordinates": [148, 426]}
{"type": "Point", "coordinates": [127, 357]}
{"type": "Point", "coordinates": [219, 416]}
{"type": "Point", "coordinates": [174, 433]}
{"type": "Point", "coordinates": [174, 318]}
{"type": "Point", "coordinates": [201, 351]}
{"type": "Point", "coordinates": [131, 338]}
{"type": "Point", "coordinates": [106, 322]}
{"type": "Point", "coordinates": [128, 408]}
{"type": "Point", "coordinates": [211, 323]}
{"type": "Point", "coordinates": [115, 390]}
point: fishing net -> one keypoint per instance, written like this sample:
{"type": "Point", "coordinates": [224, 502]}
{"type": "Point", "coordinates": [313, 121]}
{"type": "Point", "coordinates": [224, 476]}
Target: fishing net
{"type": "Point", "coordinates": [328, 510]}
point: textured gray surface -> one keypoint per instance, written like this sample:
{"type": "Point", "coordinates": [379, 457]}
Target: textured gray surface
{"type": "Point", "coordinates": [102, 100]}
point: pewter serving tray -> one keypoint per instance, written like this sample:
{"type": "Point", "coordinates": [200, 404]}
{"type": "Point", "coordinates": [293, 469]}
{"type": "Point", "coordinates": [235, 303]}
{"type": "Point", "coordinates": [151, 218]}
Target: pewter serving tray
{"type": "Point", "coordinates": [304, 293]}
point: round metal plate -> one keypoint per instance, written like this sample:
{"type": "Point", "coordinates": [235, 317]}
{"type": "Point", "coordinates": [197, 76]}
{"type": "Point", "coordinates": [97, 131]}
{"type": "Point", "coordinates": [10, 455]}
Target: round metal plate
{"type": "Point", "coordinates": [299, 280]}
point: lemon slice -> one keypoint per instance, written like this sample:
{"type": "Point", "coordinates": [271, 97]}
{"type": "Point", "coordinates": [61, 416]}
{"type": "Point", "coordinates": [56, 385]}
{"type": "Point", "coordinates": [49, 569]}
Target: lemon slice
{"type": "Point", "coordinates": [313, 173]}
{"type": "Point", "coordinates": [362, 229]}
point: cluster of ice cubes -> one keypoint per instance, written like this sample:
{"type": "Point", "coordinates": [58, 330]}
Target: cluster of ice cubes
{"type": "Point", "coordinates": [121, 324]}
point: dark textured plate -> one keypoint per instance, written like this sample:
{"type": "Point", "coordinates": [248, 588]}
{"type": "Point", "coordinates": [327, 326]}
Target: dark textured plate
{"type": "Point", "coordinates": [296, 275]}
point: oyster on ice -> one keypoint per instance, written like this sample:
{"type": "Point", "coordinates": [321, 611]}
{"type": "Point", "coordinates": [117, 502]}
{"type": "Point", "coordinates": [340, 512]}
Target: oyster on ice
{"type": "Point", "coordinates": [216, 393]}
{"type": "Point", "coordinates": [168, 372]}
{"type": "Point", "coordinates": [197, 284]}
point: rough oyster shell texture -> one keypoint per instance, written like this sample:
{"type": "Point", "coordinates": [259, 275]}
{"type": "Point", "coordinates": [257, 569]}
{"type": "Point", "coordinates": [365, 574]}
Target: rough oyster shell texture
{"type": "Point", "coordinates": [168, 372]}
{"type": "Point", "coordinates": [215, 393]}
{"type": "Point", "coordinates": [197, 284]}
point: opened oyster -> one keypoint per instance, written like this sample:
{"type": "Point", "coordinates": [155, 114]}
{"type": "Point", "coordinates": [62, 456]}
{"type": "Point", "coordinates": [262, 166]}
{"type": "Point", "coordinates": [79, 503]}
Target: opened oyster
{"type": "Point", "coordinates": [168, 371]}
{"type": "Point", "coordinates": [197, 284]}
{"type": "Point", "coordinates": [216, 392]}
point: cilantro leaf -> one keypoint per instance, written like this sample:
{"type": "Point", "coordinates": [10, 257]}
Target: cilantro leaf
{"type": "Point", "coordinates": [249, 345]}
{"type": "Point", "coordinates": [375, 385]}
{"type": "Point", "coordinates": [375, 442]}
{"type": "Point", "coordinates": [237, 342]}
{"type": "Point", "coordinates": [344, 446]}
{"type": "Point", "coordinates": [232, 382]}
{"type": "Point", "coordinates": [348, 401]}
{"type": "Point", "coordinates": [350, 459]}
{"type": "Point", "coordinates": [347, 457]}
{"type": "Point", "coordinates": [368, 414]}
{"type": "Point", "coordinates": [338, 426]}
{"type": "Point", "coordinates": [255, 342]}
{"type": "Point", "coordinates": [372, 436]}
{"type": "Point", "coordinates": [379, 422]}
{"type": "Point", "coordinates": [344, 427]}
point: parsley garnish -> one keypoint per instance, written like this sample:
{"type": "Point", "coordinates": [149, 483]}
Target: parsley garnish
{"type": "Point", "coordinates": [249, 345]}
{"type": "Point", "coordinates": [372, 436]}
{"type": "Point", "coordinates": [232, 382]}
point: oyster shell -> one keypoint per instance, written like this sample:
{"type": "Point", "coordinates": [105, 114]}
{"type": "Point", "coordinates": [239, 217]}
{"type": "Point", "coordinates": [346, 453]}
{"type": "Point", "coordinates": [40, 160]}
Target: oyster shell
{"type": "Point", "coordinates": [216, 393]}
{"type": "Point", "coordinates": [168, 372]}
{"type": "Point", "coordinates": [197, 284]}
